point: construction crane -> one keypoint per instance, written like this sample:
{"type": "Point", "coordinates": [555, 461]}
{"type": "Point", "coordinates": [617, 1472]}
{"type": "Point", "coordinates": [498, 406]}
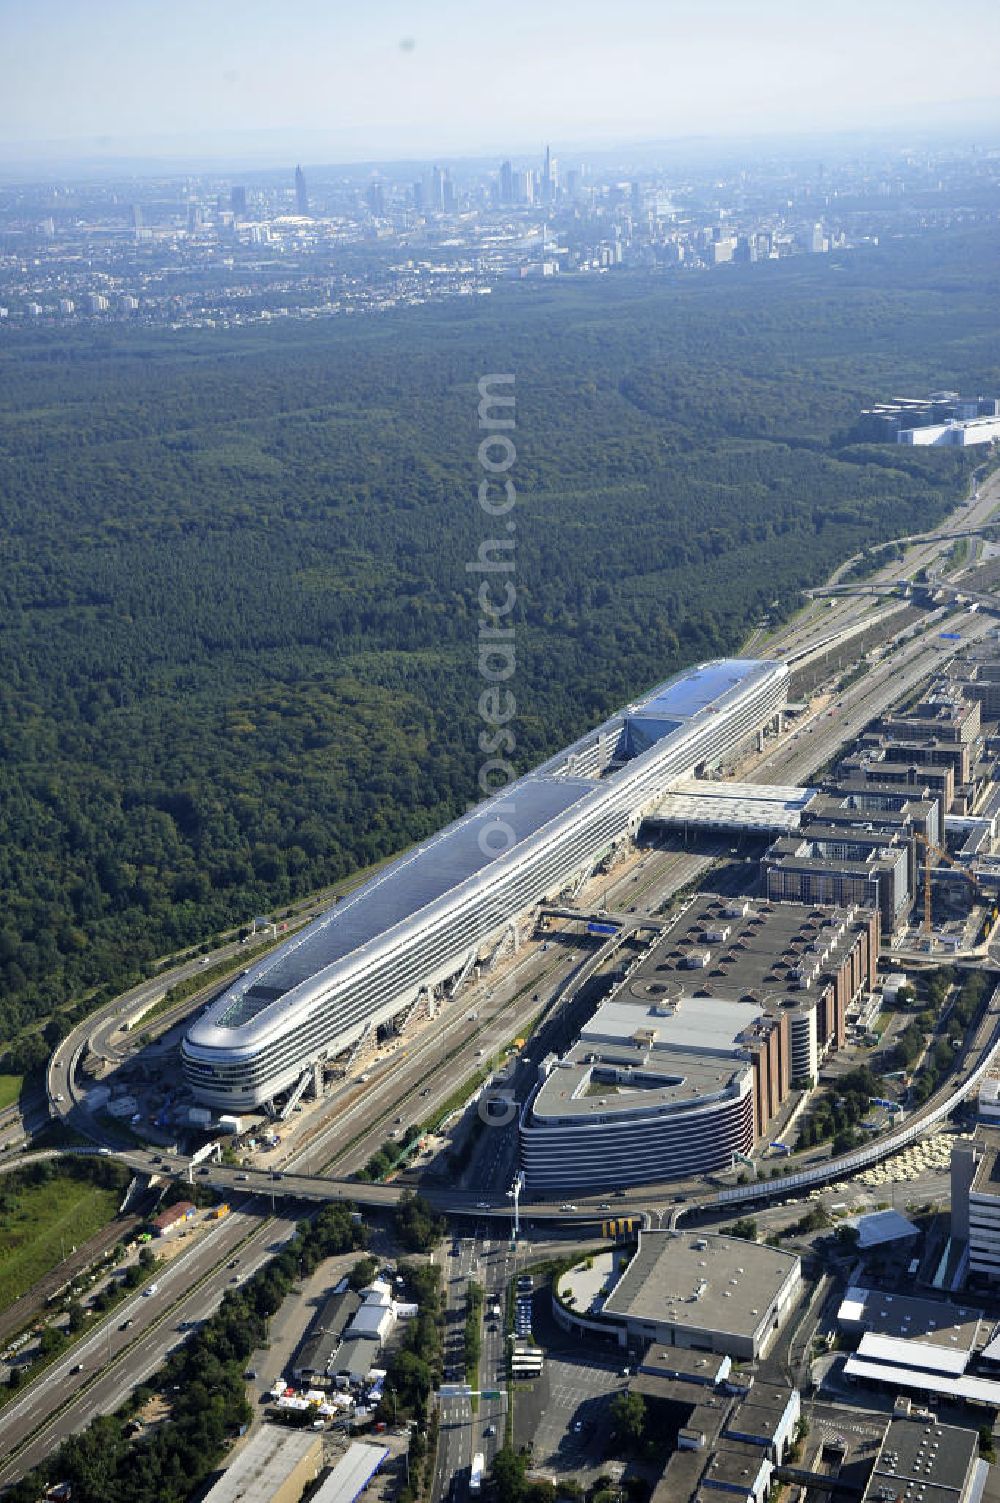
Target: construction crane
{"type": "Point", "coordinates": [931, 849]}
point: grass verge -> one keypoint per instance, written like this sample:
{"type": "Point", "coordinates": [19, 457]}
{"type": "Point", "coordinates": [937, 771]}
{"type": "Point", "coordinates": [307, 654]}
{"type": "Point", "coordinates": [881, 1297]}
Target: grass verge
{"type": "Point", "coordinates": [10, 1090]}
{"type": "Point", "coordinates": [40, 1222]}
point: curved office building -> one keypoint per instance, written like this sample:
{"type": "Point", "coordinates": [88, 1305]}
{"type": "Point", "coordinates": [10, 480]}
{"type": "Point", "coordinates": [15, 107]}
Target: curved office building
{"type": "Point", "coordinates": [649, 1093]}
{"type": "Point", "coordinates": [420, 920]}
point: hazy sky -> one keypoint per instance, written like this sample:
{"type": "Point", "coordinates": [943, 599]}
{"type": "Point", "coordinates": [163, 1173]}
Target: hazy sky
{"type": "Point", "coordinates": [384, 77]}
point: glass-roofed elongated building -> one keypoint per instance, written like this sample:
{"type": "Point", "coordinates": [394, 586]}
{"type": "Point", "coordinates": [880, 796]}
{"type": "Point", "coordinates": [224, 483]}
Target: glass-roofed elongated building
{"type": "Point", "coordinates": [418, 922]}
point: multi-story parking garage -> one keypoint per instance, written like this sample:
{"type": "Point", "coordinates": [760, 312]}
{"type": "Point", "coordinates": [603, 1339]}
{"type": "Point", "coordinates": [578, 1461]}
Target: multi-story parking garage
{"type": "Point", "coordinates": [697, 1049]}
{"type": "Point", "coordinates": [425, 917]}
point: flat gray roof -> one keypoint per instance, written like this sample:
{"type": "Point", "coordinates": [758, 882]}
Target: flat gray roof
{"type": "Point", "coordinates": [764, 942]}
{"type": "Point", "coordinates": [939, 1322]}
{"type": "Point", "coordinates": [735, 1464]}
{"type": "Point", "coordinates": [575, 1088]}
{"type": "Point", "coordinates": [685, 1035]}
{"type": "Point", "coordinates": [351, 1475]}
{"type": "Point", "coordinates": [727, 806]}
{"type": "Point", "coordinates": [358, 1355]}
{"type": "Point", "coordinates": [680, 1361]}
{"type": "Point", "coordinates": [702, 1281]}
{"type": "Point", "coordinates": [264, 1463]}
{"type": "Point", "coordinates": [936, 1459]}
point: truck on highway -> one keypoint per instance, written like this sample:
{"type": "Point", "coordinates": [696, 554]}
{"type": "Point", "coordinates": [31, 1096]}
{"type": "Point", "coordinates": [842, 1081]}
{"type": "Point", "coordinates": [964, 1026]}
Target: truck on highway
{"type": "Point", "coordinates": [476, 1474]}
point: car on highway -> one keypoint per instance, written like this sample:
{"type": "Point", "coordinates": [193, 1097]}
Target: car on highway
{"type": "Point", "coordinates": [483, 1205]}
{"type": "Point", "coordinates": [60, 1098]}
{"type": "Point", "coordinates": [426, 1091]}
{"type": "Point", "coordinates": [568, 1208]}
{"type": "Point", "coordinates": [151, 1290]}
{"type": "Point", "coordinates": [490, 1430]}
{"type": "Point", "coordinates": [240, 1177]}
{"type": "Point", "coordinates": [76, 1368]}
{"type": "Point", "coordinates": [125, 1324]}
{"type": "Point", "coordinates": [234, 1262]}
{"type": "Point", "coordinates": [605, 1205]}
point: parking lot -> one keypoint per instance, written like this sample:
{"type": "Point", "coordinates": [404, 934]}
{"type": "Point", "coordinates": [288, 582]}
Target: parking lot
{"type": "Point", "coordinates": [572, 1420]}
{"type": "Point", "coordinates": [565, 1413]}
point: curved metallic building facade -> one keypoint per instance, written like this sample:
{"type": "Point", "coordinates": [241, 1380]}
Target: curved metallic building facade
{"type": "Point", "coordinates": [417, 923]}
{"type": "Point", "coordinates": [637, 1144]}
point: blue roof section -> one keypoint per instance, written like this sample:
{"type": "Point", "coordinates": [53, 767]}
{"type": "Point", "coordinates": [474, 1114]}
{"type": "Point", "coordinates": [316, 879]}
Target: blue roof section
{"type": "Point", "coordinates": [697, 688]}
{"type": "Point", "coordinates": [643, 731]}
{"type": "Point", "coordinates": [376, 915]}
{"type": "Point", "coordinates": [410, 884]}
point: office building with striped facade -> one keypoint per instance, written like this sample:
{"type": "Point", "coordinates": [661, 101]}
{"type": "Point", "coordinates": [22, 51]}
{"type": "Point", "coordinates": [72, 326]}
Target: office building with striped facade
{"type": "Point", "coordinates": [427, 916]}
{"type": "Point", "coordinates": [975, 1202]}
{"type": "Point", "coordinates": [684, 1067]}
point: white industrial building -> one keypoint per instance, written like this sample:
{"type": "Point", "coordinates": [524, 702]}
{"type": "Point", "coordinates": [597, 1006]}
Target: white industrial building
{"type": "Point", "coordinates": [980, 430]}
{"type": "Point", "coordinates": [703, 1291]}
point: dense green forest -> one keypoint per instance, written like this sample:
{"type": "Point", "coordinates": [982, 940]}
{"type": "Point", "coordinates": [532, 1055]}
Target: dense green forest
{"type": "Point", "coordinates": [237, 631]}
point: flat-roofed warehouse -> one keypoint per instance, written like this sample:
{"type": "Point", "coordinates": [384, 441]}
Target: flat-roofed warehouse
{"type": "Point", "coordinates": [274, 1466]}
{"type": "Point", "coordinates": [709, 1292]}
{"type": "Point", "coordinates": [923, 1461]}
{"type": "Point", "coordinates": [691, 1057]}
{"type": "Point", "coordinates": [425, 917]}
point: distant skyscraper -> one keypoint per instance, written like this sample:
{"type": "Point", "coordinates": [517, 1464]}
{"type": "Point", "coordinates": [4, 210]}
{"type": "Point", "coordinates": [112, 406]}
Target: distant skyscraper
{"type": "Point", "coordinates": [136, 216]}
{"type": "Point", "coordinates": [506, 183]}
{"type": "Point", "coordinates": [238, 202]}
{"type": "Point", "coordinates": [375, 198]}
{"type": "Point", "coordinates": [437, 188]}
{"type": "Point", "coordinates": [547, 177]}
{"type": "Point", "coordinates": [447, 193]}
{"type": "Point", "coordinates": [418, 196]}
{"type": "Point", "coordinates": [301, 193]}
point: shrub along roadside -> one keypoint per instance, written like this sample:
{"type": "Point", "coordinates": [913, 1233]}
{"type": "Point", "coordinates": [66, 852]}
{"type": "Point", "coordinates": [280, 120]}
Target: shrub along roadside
{"type": "Point", "coordinates": [202, 1382]}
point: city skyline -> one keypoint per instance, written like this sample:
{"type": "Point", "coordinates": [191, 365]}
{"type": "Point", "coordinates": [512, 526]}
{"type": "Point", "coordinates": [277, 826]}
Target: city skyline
{"type": "Point", "coordinates": [123, 82]}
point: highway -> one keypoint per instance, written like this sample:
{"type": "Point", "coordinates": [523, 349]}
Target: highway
{"type": "Point", "coordinates": [818, 739]}
{"type": "Point", "coordinates": [460, 1267]}
{"type": "Point", "coordinates": [412, 1083]}
{"type": "Point", "coordinates": [922, 551]}
{"type": "Point", "coordinates": [189, 1288]}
